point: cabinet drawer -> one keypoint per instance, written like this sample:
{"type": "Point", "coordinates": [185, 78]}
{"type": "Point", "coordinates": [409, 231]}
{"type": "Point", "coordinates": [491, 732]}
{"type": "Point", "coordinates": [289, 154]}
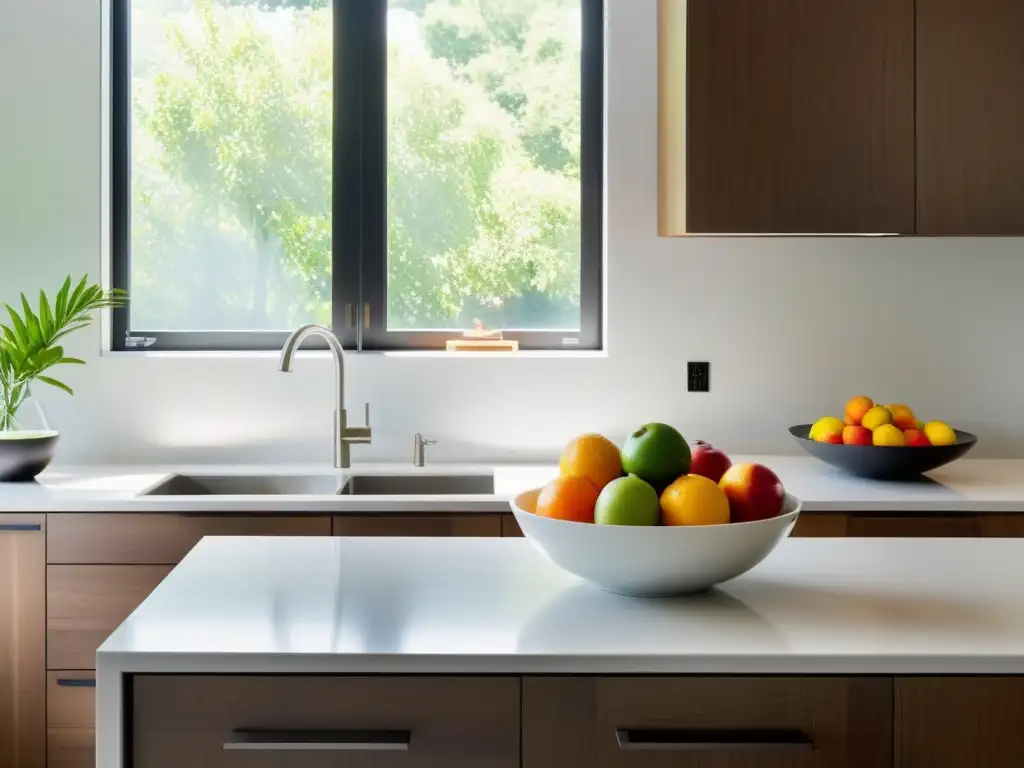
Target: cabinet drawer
{"type": "Point", "coordinates": [423, 722]}
{"type": "Point", "coordinates": [704, 722]}
{"type": "Point", "coordinates": [914, 526]}
{"type": "Point", "coordinates": [158, 539]}
{"type": "Point", "coordinates": [85, 603]}
{"type": "Point", "coordinates": [70, 719]}
{"type": "Point", "coordinates": [417, 525]}
{"type": "Point", "coordinates": [509, 527]}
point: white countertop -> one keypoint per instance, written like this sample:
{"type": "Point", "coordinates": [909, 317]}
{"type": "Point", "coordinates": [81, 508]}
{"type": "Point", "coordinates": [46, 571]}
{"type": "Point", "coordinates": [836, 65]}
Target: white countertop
{"type": "Point", "coordinates": [970, 485]}
{"type": "Point", "coordinates": [479, 606]}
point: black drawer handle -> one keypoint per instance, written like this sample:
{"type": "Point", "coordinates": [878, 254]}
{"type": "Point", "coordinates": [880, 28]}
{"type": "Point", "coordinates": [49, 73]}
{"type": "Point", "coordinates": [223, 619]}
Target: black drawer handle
{"type": "Point", "coordinates": [16, 527]}
{"type": "Point", "coordinates": [690, 740]}
{"type": "Point", "coordinates": [319, 741]}
{"type": "Point", "coordinates": [69, 682]}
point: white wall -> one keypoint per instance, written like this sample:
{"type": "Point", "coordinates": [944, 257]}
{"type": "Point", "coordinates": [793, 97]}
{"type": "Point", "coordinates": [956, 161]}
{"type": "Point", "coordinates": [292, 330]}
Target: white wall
{"type": "Point", "coordinates": [792, 327]}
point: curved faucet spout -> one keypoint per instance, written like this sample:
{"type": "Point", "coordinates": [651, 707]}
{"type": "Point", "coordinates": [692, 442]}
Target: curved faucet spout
{"type": "Point", "coordinates": [299, 335]}
{"type": "Point", "coordinates": [344, 435]}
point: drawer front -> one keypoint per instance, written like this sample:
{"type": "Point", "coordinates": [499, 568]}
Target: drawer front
{"type": "Point", "coordinates": [914, 526]}
{"type": "Point", "coordinates": [417, 525]}
{"type": "Point", "coordinates": [423, 722]}
{"type": "Point", "coordinates": [707, 722]}
{"type": "Point", "coordinates": [158, 539]}
{"type": "Point", "coordinates": [817, 526]}
{"type": "Point", "coordinates": [70, 719]}
{"type": "Point", "coordinates": [509, 527]}
{"type": "Point", "coordinates": [85, 603]}
{"type": "Point", "coordinates": [71, 748]}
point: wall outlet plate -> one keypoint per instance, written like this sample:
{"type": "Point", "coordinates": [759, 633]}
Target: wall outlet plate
{"type": "Point", "coordinates": [698, 377]}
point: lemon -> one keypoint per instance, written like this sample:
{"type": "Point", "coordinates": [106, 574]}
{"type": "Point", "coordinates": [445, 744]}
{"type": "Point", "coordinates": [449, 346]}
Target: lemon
{"type": "Point", "coordinates": [877, 417]}
{"type": "Point", "coordinates": [888, 435]}
{"type": "Point", "coordinates": [940, 433]}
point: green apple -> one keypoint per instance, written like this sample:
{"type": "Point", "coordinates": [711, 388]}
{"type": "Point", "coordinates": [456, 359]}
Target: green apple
{"type": "Point", "coordinates": [627, 501]}
{"type": "Point", "coordinates": [656, 453]}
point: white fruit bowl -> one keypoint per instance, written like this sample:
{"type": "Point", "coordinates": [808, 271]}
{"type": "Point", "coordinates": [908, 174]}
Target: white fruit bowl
{"type": "Point", "coordinates": [655, 561]}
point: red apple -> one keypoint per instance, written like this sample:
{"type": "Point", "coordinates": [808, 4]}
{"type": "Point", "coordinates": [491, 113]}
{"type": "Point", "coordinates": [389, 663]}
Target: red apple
{"type": "Point", "coordinates": [708, 461]}
{"type": "Point", "coordinates": [754, 492]}
{"type": "Point", "coordinates": [916, 438]}
{"type": "Point", "coordinates": [857, 436]}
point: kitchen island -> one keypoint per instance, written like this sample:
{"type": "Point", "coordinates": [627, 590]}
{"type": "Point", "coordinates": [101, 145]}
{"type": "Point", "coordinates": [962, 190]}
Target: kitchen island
{"type": "Point", "coordinates": [832, 652]}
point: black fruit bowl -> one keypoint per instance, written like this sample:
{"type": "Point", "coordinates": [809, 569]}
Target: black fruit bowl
{"type": "Point", "coordinates": [884, 462]}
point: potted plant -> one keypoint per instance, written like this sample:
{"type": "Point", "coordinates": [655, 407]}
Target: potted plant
{"type": "Point", "coordinates": [29, 349]}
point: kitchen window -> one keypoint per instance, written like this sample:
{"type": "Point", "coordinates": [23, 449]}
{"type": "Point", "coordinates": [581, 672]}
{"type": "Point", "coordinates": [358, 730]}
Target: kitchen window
{"type": "Point", "coordinates": [399, 170]}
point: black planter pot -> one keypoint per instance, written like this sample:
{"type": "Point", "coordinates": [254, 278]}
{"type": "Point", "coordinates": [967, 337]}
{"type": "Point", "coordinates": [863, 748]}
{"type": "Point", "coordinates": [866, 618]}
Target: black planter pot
{"type": "Point", "coordinates": [23, 455]}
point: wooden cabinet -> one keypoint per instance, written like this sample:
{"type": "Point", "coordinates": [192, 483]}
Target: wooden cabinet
{"type": "Point", "coordinates": [104, 539]}
{"type": "Point", "coordinates": [411, 722]}
{"type": "Point", "coordinates": [22, 640]}
{"type": "Point", "coordinates": [417, 525]}
{"type": "Point", "coordinates": [786, 116]}
{"type": "Point", "coordinates": [954, 722]}
{"type": "Point", "coordinates": [881, 524]}
{"type": "Point", "coordinates": [664, 722]}
{"type": "Point", "coordinates": [85, 603]}
{"type": "Point", "coordinates": [70, 720]}
{"type": "Point", "coordinates": [509, 527]}
{"type": "Point", "coordinates": [970, 117]}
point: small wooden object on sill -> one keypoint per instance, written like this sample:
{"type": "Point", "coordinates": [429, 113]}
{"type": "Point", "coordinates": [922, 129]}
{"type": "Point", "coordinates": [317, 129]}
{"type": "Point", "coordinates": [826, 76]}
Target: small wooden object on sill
{"type": "Point", "coordinates": [481, 339]}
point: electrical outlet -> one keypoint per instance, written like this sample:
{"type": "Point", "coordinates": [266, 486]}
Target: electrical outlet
{"type": "Point", "coordinates": [698, 377]}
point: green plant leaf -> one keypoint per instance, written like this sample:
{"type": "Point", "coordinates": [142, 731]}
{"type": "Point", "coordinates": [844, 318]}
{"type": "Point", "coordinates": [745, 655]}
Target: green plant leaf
{"type": "Point", "coordinates": [70, 361]}
{"type": "Point", "coordinates": [45, 316]}
{"type": "Point", "coordinates": [74, 303]}
{"type": "Point", "coordinates": [31, 322]}
{"type": "Point", "coordinates": [62, 302]}
{"type": "Point", "coordinates": [21, 332]}
{"type": "Point", "coordinates": [55, 383]}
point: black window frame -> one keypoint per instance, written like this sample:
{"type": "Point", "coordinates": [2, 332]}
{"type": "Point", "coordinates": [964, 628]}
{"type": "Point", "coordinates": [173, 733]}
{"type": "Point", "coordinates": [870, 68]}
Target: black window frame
{"type": "Point", "coordinates": [359, 184]}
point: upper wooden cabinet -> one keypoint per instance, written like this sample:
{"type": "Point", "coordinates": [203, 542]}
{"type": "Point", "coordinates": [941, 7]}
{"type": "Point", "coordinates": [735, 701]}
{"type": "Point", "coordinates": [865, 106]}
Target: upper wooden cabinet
{"type": "Point", "coordinates": [970, 117]}
{"type": "Point", "coordinates": [786, 116]}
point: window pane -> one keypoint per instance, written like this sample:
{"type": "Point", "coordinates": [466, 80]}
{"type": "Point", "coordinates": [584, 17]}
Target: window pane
{"type": "Point", "coordinates": [484, 164]}
{"type": "Point", "coordinates": [231, 116]}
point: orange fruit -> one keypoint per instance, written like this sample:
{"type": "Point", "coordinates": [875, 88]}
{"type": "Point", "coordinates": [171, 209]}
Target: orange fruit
{"type": "Point", "coordinates": [694, 500]}
{"type": "Point", "coordinates": [568, 498]}
{"type": "Point", "coordinates": [827, 430]}
{"type": "Point", "coordinates": [902, 416]}
{"type": "Point", "coordinates": [594, 457]}
{"type": "Point", "coordinates": [856, 407]}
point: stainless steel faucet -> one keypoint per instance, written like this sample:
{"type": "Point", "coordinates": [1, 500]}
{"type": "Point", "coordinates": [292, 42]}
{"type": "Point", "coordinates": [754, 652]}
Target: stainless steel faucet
{"type": "Point", "coordinates": [344, 435]}
{"type": "Point", "coordinates": [418, 454]}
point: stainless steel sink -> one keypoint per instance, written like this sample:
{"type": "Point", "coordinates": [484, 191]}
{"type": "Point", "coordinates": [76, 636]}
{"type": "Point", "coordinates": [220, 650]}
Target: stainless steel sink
{"type": "Point", "coordinates": [414, 485]}
{"type": "Point", "coordinates": [323, 485]}
{"type": "Point", "coordinates": [247, 485]}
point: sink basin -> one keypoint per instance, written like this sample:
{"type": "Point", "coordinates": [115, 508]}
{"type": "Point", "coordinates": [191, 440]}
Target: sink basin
{"type": "Point", "coordinates": [323, 485]}
{"type": "Point", "coordinates": [413, 485]}
{"type": "Point", "coordinates": [247, 485]}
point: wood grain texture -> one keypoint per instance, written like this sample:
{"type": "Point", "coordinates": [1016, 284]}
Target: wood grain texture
{"type": "Point", "coordinates": [106, 539]}
{"type": "Point", "coordinates": [510, 528]}
{"type": "Point", "coordinates": [85, 603]}
{"type": "Point", "coordinates": [821, 526]}
{"type": "Point", "coordinates": [970, 117]}
{"type": "Point", "coordinates": [928, 525]}
{"type": "Point", "coordinates": [70, 721]}
{"type": "Point", "coordinates": [71, 748]}
{"type": "Point", "coordinates": [1002, 526]}
{"type": "Point", "coordinates": [22, 643]}
{"type": "Point", "coordinates": [417, 525]}
{"type": "Point", "coordinates": [799, 116]}
{"type": "Point", "coordinates": [454, 722]}
{"type": "Point", "coordinates": [956, 722]}
{"type": "Point", "coordinates": [571, 722]}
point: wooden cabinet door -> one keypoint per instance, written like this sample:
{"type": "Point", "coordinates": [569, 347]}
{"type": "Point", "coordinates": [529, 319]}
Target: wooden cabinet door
{"type": "Point", "coordinates": [820, 526]}
{"type": "Point", "coordinates": [786, 116]}
{"type": "Point", "coordinates": [956, 722]}
{"type": "Point", "coordinates": [22, 641]}
{"type": "Point", "coordinates": [914, 526]}
{"type": "Point", "coordinates": [509, 527]}
{"type": "Point", "coordinates": [272, 721]}
{"type": "Point", "coordinates": [417, 525]}
{"type": "Point", "coordinates": [85, 603]}
{"type": "Point", "coordinates": [70, 720]}
{"type": "Point", "coordinates": [970, 117]}
{"type": "Point", "coordinates": [707, 722]}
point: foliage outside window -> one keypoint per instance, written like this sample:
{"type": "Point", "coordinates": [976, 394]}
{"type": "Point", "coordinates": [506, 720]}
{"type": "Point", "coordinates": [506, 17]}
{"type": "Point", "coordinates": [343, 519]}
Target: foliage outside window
{"type": "Point", "coordinates": [231, 161]}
